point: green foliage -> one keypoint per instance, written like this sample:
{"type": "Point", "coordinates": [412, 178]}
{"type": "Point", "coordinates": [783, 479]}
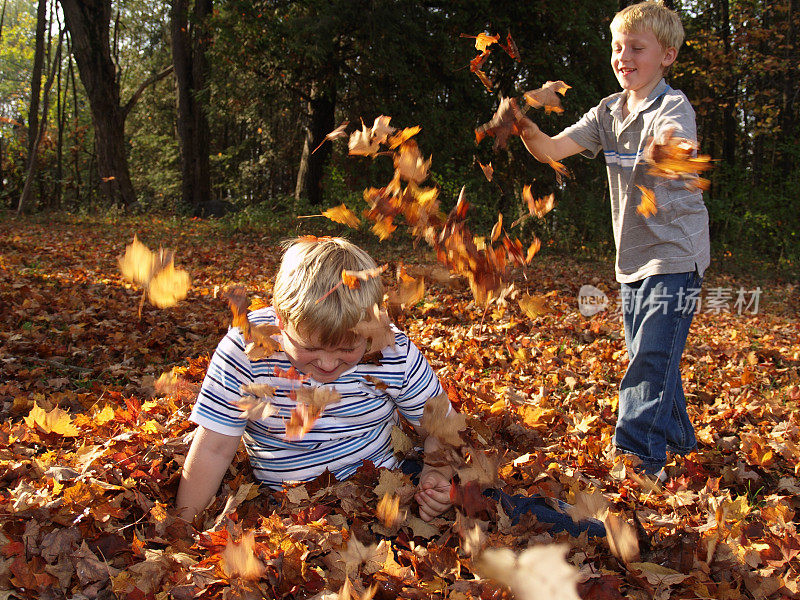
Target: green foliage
{"type": "Point", "coordinates": [269, 58]}
{"type": "Point", "coordinates": [155, 171]}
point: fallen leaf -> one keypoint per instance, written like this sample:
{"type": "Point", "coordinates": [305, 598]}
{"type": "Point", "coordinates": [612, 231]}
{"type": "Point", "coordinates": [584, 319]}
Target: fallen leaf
{"type": "Point", "coordinates": [376, 329]}
{"type": "Point", "coordinates": [502, 125]}
{"type": "Point", "coordinates": [165, 285]}
{"type": "Point", "coordinates": [353, 279]}
{"type": "Point", "coordinates": [621, 538]}
{"type": "Point", "coordinates": [534, 306]}
{"type": "Point", "coordinates": [488, 170]}
{"type": "Point", "coordinates": [538, 206]}
{"type": "Point", "coordinates": [361, 142]}
{"type": "Point", "coordinates": [55, 421]}
{"type": "Point", "coordinates": [381, 129]}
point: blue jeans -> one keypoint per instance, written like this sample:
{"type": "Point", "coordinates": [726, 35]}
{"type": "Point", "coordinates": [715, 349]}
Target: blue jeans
{"type": "Point", "coordinates": [553, 512]}
{"type": "Point", "coordinates": [657, 312]}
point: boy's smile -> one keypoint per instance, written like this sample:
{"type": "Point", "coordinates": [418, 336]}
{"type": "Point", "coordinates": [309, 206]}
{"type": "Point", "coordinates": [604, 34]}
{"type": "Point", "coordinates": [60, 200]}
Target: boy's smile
{"type": "Point", "coordinates": [639, 61]}
{"type": "Point", "coordinates": [324, 363]}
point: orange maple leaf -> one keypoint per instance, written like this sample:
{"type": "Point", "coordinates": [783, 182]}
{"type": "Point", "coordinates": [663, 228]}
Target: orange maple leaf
{"type": "Point", "coordinates": [488, 170]}
{"type": "Point", "coordinates": [647, 207]}
{"type": "Point", "coordinates": [676, 158]}
{"type": "Point", "coordinates": [353, 279]}
{"type": "Point", "coordinates": [402, 136]}
{"type": "Point", "coordinates": [537, 206]}
{"type": "Point", "coordinates": [511, 48]}
{"type": "Point", "coordinates": [440, 420]}
{"type": "Point", "coordinates": [560, 169]}
{"type": "Point", "coordinates": [336, 133]}
{"type": "Point", "coordinates": [547, 96]}
{"type": "Point", "coordinates": [388, 511]}
{"type": "Point", "coordinates": [502, 125]}
{"type": "Point", "coordinates": [342, 214]}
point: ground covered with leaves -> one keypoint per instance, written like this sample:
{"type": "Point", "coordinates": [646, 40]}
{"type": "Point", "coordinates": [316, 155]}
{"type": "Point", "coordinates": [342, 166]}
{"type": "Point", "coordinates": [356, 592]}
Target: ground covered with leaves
{"type": "Point", "coordinates": [90, 452]}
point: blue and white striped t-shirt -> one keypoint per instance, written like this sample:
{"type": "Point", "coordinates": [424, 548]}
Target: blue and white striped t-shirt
{"type": "Point", "coordinates": [356, 428]}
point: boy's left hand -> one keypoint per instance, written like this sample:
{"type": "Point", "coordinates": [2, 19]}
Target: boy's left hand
{"type": "Point", "coordinates": [433, 496]}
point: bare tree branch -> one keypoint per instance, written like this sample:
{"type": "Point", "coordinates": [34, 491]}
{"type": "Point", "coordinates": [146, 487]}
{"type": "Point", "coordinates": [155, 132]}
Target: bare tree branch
{"type": "Point", "coordinates": [154, 79]}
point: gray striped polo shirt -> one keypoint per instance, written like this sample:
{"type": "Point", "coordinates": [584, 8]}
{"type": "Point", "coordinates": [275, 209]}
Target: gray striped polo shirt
{"type": "Point", "coordinates": [675, 239]}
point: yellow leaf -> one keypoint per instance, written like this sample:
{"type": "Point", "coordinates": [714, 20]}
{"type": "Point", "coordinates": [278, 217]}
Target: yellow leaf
{"type": "Point", "coordinates": [484, 40]}
{"type": "Point", "coordinates": [534, 306]}
{"type": "Point", "coordinates": [168, 286]}
{"type": "Point", "coordinates": [138, 263]}
{"type": "Point", "coordinates": [342, 214]}
{"type": "Point", "coordinates": [647, 208]}
{"type": "Point", "coordinates": [104, 416]}
{"type": "Point", "coordinates": [388, 510]}
{"type": "Point", "coordinates": [56, 421]}
{"type": "Point", "coordinates": [152, 427]}
{"type": "Point", "coordinates": [240, 558]}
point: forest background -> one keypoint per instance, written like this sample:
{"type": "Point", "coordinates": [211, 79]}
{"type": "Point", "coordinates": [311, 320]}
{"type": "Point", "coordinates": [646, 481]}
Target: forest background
{"type": "Point", "coordinates": [213, 108]}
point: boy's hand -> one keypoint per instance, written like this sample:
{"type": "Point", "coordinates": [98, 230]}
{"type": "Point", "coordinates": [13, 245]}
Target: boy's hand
{"type": "Point", "coordinates": [507, 121]}
{"type": "Point", "coordinates": [433, 496]}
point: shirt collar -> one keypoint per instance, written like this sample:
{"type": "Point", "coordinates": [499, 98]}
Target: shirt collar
{"type": "Point", "coordinates": [658, 91]}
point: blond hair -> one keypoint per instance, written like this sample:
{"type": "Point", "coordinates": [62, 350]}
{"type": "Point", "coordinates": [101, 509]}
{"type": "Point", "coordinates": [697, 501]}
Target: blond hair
{"type": "Point", "coordinates": [312, 267]}
{"type": "Point", "coordinates": [662, 21]}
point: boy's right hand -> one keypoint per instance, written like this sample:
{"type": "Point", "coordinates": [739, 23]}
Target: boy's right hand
{"type": "Point", "coordinates": [507, 121]}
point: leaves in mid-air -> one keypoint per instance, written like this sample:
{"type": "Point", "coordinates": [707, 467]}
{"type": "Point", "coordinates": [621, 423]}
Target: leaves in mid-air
{"type": "Point", "coordinates": [342, 214]}
{"type": "Point", "coordinates": [547, 96]}
{"type": "Point", "coordinates": [156, 273]}
{"type": "Point", "coordinates": [337, 133]}
{"type": "Point", "coordinates": [647, 207]}
{"type": "Point", "coordinates": [442, 422]}
{"type": "Point", "coordinates": [537, 573]}
{"type": "Point", "coordinates": [488, 170]}
{"type": "Point", "coordinates": [311, 401]}
{"type": "Point", "coordinates": [676, 158]}
{"type": "Point", "coordinates": [483, 44]}
{"type": "Point", "coordinates": [502, 125]}
{"type": "Point", "coordinates": [538, 206]}
{"type": "Point", "coordinates": [259, 338]}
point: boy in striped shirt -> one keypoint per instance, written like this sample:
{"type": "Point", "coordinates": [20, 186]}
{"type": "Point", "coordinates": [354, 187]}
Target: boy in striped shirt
{"type": "Point", "coordinates": [320, 344]}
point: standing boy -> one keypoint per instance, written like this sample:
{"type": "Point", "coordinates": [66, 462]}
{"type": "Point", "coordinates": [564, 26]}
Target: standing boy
{"type": "Point", "coordinates": [660, 259]}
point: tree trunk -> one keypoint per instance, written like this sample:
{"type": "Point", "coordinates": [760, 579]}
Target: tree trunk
{"type": "Point", "coordinates": [729, 105]}
{"type": "Point", "coordinates": [312, 164]}
{"type": "Point", "coordinates": [60, 110]}
{"type": "Point", "coordinates": [36, 77]}
{"type": "Point", "coordinates": [88, 24]}
{"type": "Point", "coordinates": [789, 91]}
{"type": "Point", "coordinates": [25, 197]}
{"type": "Point", "coordinates": [191, 67]}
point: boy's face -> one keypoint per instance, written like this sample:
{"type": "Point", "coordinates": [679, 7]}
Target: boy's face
{"type": "Point", "coordinates": [639, 60]}
{"type": "Point", "coordinates": [323, 363]}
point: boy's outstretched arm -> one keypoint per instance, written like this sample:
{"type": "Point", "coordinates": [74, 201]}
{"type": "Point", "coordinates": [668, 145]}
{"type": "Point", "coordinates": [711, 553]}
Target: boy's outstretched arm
{"type": "Point", "coordinates": [209, 457]}
{"type": "Point", "coordinates": [543, 147]}
{"type": "Point", "coordinates": [433, 496]}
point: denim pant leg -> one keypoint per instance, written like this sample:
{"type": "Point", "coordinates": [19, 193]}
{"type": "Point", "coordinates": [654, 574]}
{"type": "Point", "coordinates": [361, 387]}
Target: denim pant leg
{"type": "Point", "coordinates": [657, 313]}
